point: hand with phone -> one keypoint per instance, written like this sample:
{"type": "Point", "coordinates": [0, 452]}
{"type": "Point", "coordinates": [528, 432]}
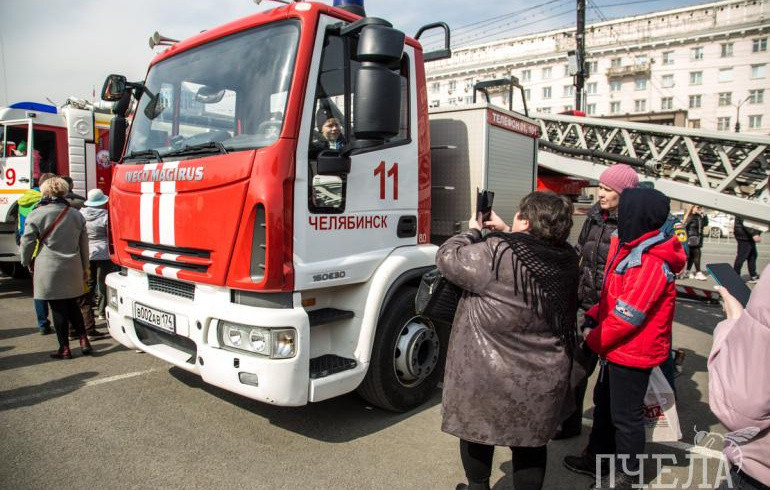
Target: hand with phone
{"type": "Point", "coordinates": [726, 277]}
{"type": "Point", "coordinates": [732, 307]}
{"type": "Point", "coordinates": [496, 223]}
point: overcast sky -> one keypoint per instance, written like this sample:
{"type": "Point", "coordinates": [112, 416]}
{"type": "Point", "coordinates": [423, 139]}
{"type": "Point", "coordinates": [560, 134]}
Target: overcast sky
{"type": "Point", "coordinates": [59, 48]}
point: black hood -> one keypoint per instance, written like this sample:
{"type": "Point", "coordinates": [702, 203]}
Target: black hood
{"type": "Point", "coordinates": [641, 211]}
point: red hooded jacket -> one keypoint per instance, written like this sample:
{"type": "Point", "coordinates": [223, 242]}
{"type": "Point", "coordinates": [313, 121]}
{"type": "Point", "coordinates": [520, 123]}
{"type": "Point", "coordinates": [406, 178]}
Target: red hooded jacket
{"type": "Point", "coordinates": [637, 301]}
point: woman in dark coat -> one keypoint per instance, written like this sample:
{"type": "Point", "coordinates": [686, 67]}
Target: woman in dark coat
{"type": "Point", "coordinates": [507, 369]}
{"type": "Point", "coordinates": [61, 265]}
{"type": "Point", "coordinates": [694, 223]}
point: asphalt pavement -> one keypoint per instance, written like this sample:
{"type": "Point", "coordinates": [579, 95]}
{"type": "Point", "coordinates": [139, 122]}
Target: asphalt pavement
{"type": "Point", "coordinates": [122, 419]}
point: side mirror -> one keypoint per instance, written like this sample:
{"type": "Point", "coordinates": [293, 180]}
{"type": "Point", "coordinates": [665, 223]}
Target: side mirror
{"type": "Point", "coordinates": [154, 107]}
{"type": "Point", "coordinates": [118, 127]}
{"type": "Point", "coordinates": [209, 95]}
{"type": "Point", "coordinates": [331, 162]}
{"type": "Point", "coordinates": [380, 44]}
{"type": "Point", "coordinates": [377, 102]}
{"type": "Point", "coordinates": [114, 88]}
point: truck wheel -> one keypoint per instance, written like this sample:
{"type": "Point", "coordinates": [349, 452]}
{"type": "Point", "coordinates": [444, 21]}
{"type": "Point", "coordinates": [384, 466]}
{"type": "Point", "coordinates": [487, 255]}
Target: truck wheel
{"type": "Point", "coordinates": [407, 357]}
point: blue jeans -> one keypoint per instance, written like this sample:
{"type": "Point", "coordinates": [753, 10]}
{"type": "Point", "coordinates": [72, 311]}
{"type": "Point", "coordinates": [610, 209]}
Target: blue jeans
{"type": "Point", "coordinates": [41, 311]}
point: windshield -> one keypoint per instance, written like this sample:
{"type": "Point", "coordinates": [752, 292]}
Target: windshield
{"type": "Point", "coordinates": [227, 95]}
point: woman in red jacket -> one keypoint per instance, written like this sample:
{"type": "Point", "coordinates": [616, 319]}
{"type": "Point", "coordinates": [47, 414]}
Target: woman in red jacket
{"type": "Point", "coordinates": [632, 331]}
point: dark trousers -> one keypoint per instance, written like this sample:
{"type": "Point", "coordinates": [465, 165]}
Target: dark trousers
{"type": "Point", "coordinates": [747, 251]}
{"type": "Point", "coordinates": [741, 481]}
{"type": "Point", "coordinates": [85, 303]}
{"type": "Point", "coordinates": [96, 283]}
{"type": "Point", "coordinates": [66, 312]}
{"type": "Point", "coordinates": [619, 414]}
{"type": "Point", "coordinates": [41, 312]}
{"type": "Point", "coordinates": [693, 258]}
{"type": "Point", "coordinates": [528, 464]}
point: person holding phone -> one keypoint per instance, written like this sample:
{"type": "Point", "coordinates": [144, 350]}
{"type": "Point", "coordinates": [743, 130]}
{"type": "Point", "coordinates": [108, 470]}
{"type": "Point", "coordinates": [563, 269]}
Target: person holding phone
{"type": "Point", "coordinates": [508, 360]}
{"type": "Point", "coordinates": [739, 386]}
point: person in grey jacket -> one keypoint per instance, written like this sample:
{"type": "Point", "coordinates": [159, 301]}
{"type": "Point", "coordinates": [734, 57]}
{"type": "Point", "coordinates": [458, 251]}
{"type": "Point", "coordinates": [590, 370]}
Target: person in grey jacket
{"type": "Point", "coordinates": [97, 224]}
{"type": "Point", "coordinates": [61, 264]}
{"type": "Point", "coordinates": [508, 360]}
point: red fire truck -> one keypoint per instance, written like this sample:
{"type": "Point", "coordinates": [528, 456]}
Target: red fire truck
{"type": "Point", "coordinates": [71, 140]}
{"type": "Point", "coordinates": [277, 258]}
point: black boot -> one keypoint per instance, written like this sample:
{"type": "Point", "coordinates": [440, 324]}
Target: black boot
{"type": "Point", "coordinates": [473, 486]}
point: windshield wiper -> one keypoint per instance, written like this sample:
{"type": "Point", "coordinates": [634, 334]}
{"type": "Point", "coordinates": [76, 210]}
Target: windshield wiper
{"type": "Point", "coordinates": [143, 154]}
{"type": "Point", "coordinates": [210, 147]}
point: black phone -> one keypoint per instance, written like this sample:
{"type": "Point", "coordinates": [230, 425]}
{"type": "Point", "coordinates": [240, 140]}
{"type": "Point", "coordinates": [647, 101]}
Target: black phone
{"type": "Point", "coordinates": [484, 200]}
{"type": "Point", "coordinates": [725, 276]}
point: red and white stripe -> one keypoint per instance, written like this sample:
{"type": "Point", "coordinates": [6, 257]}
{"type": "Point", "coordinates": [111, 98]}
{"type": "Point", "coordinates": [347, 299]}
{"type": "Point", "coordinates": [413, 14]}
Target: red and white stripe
{"type": "Point", "coordinates": [157, 219]}
{"type": "Point", "coordinates": [697, 293]}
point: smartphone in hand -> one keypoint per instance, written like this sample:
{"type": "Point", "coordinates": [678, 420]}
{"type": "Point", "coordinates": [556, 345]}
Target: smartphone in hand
{"type": "Point", "coordinates": [484, 200]}
{"type": "Point", "coordinates": [725, 276]}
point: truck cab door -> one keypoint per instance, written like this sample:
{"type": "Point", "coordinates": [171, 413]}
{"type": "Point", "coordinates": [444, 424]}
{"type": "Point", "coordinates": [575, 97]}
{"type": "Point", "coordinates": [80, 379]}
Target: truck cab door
{"type": "Point", "coordinates": [345, 225]}
{"type": "Point", "coordinates": [15, 165]}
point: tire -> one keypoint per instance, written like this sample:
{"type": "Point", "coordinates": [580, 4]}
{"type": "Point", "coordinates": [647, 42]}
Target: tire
{"type": "Point", "coordinates": [385, 385]}
{"type": "Point", "coordinates": [715, 232]}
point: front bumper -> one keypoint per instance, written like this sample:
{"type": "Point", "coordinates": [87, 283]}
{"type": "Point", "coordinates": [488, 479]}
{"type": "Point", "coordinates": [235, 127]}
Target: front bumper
{"type": "Point", "coordinates": [195, 347]}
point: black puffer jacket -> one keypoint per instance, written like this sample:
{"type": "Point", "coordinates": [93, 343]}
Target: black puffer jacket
{"type": "Point", "coordinates": [593, 247]}
{"type": "Point", "coordinates": [694, 227]}
{"type": "Point", "coordinates": [744, 233]}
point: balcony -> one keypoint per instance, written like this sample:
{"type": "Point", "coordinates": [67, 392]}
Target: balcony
{"type": "Point", "coordinates": [634, 70]}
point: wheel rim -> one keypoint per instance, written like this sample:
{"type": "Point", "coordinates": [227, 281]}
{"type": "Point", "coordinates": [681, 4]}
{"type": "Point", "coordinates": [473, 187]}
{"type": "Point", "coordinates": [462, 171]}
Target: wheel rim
{"type": "Point", "coordinates": [416, 352]}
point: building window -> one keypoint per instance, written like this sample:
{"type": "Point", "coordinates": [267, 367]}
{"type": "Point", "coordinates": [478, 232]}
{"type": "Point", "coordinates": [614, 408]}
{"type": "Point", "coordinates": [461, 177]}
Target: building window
{"type": "Point", "coordinates": [452, 85]}
{"type": "Point", "coordinates": [591, 109]}
{"type": "Point", "coordinates": [693, 123]}
{"type": "Point", "coordinates": [527, 93]}
{"type": "Point", "coordinates": [640, 59]}
{"type": "Point", "coordinates": [725, 98]}
{"type": "Point", "coordinates": [640, 84]}
{"type": "Point", "coordinates": [526, 75]}
{"type": "Point", "coordinates": [758, 71]}
{"type": "Point", "coordinates": [695, 101]}
{"type": "Point", "coordinates": [469, 100]}
{"type": "Point", "coordinates": [615, 86]}
{"type": "Point", "coordinates": [546, 92]}
{"type": "Point", "coordinates": [727, 50]}
{"type": "Point", "coordinates": [696, 54]}
{"type": "Point", "coordinates": [566, 71]}
{"type": "Point", "coordinates": [757, 96]}
{"type": "Point", "coordinates": [435, 87]}
{"type": "Point", "coordinates": [614, 107]}
{"type": "Point", "coordinates": [567, 108]}
{"type": "Point", "coordinates": [666, 103]}
{"type": "Point", "coordinates": [593, 67]}
{"type": "Point", "coordinates": [668, 57]}
{"type": "Point", "coordinates": [696, 77]}
{"type": "Point", "coordinates": [725, 75]}
{"type": "Point", "coordinates": [640, 105]}
{"type": "Point", "coordinates": [723, 124]}
{"type": "Point", "coordinates": [547, 73]}
{"type": "Point", "coordinates": [569, 90]}
{"type": "Point", "coordinates": [755, 121]}
{"type": "Point", "coordinates": [434, 103]}
{"type": "Point", "coordinates": [616, 62]}
{"type": "Point", "coordinates": [759, 45]}
{"type": "Point", "coordinates": [591, 88]}
{"type": "Point", "coordinates": [545, 110]}
{"type": "Point", "coordinates": [667, 81]}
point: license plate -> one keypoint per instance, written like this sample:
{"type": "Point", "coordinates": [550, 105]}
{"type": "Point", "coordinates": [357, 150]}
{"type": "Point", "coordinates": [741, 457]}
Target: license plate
{"type": "Point", "coordinates": [156, 318]}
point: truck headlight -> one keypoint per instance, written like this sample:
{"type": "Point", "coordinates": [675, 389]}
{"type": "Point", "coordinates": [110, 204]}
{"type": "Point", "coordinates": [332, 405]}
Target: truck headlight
{"type": "Point", "coordinates": [112, 297]}
{"type": "Point", "coordinates": [277, 343]}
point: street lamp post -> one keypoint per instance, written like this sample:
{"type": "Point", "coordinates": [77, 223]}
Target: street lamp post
{"type": "Point", "coordinates": [738, 114]}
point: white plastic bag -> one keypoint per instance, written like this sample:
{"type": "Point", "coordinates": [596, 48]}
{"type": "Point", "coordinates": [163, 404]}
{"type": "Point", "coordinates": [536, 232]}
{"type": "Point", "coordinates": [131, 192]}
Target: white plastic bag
{"type": "Point", "coordinates": [660, 417]}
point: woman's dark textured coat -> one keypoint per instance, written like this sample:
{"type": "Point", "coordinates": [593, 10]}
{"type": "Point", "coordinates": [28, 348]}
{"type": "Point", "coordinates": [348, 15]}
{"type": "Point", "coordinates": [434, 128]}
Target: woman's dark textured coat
{"type": "Point", "coordinates": [507, 373]}
{"type": "Point", "coordinates": [593, 246]}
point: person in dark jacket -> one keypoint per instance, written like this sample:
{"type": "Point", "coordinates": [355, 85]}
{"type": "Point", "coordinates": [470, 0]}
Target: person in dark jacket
{"type": "Point", "coordinates": [694, 223]}
{"type": "Point", "coordinates": [593, 246]}
{"type": "Point", "coordinates": [508, 365]}
{"type": "Point", "coordinates": [630, 329]}
{"type": "Point", "coordinates": [747, 239]}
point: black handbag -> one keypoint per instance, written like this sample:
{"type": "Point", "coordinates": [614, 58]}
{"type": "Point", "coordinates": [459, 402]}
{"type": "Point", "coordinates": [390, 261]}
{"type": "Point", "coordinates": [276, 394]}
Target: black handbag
{"type": "Point", "coordinates": [436, 297]}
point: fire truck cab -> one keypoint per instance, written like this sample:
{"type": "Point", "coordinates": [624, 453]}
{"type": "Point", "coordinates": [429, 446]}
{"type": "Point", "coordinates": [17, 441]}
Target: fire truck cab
{"type": "Point", "coordinates": [271, 214]}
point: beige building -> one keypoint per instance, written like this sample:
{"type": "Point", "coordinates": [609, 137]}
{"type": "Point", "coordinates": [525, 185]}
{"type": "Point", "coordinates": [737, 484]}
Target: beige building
{"type": "Point", "coordinates": [705, 66]}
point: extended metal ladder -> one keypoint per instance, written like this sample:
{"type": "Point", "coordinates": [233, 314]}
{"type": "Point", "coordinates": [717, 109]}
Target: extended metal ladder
{"type": "Point", "coordinates": [719, 170]}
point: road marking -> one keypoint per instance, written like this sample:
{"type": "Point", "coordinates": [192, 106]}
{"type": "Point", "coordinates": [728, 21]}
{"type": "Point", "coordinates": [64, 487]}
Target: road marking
{"type": "Point", "coordinates": [71, 387]}
{"type": "Point", "coordinates": [683, 446]}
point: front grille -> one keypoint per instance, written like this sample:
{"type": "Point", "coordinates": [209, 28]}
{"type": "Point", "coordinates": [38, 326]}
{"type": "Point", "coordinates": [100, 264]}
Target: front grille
{"type": "Point", "coordinates": [184, 258]}
{"type": "Point", "coordinates": [171, 286]}
{"type": "Point", "coordinates": [151, 336]}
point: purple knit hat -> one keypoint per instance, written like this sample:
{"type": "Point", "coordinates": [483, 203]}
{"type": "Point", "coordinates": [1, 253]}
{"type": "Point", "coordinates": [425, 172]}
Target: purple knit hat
{"type": "Point", "coordinates": [619, 177]}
